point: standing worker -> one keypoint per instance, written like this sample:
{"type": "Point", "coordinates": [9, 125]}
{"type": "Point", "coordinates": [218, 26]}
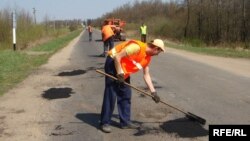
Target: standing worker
{"type": "Point", "coordinates": [107, 37]}
{"type": "Point", "coordinates": [124, 59]}
{"type": "Point", "coordinates": [143, 31]}
{"type": "Point", "coordinates": [90, 32]}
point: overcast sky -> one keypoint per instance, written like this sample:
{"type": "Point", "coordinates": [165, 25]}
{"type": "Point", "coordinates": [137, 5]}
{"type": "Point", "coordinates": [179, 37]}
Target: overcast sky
{"type": "Point", "coordinates": [65, 9]}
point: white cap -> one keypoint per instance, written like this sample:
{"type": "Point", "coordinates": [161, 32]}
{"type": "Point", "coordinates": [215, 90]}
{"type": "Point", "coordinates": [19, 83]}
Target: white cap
{"type": "Point", "coordinates": [158, 43]}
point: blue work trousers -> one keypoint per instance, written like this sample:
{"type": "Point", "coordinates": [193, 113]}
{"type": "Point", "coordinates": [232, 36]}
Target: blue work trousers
{"type": "Point", "coordinates": [90, 36]}
{"type": "Point", "coordinates": [114, 90]}
{"type": "Point", "coordinates": [108, 44]}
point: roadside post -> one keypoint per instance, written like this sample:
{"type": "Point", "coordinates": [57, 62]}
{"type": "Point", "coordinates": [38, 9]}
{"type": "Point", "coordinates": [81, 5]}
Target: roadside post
{"type": "Point", "coordinates": [14, 29]}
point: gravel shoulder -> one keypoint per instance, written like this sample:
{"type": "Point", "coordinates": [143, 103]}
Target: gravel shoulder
{"type": "Point", "coordinates": [24, 115]}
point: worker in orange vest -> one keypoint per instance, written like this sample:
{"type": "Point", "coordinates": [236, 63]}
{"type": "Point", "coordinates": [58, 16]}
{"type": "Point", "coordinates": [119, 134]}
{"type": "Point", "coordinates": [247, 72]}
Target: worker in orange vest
{"type": "Point", "coordinates": [107, 37]}
{"type": "Point", "coordinates": [123, 60]}
{"type": "Point", "coordinates": [90, 32]}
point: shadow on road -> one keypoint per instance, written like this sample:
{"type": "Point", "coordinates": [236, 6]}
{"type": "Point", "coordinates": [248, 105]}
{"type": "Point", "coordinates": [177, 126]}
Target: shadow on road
{"type": "Point", "coordinates": [98, 40]}
{"type": "Point", "coordinates": [89, 118]}
{"type": "Point", "coordinates": [181, 127]}
{"type": "Point", "coordinates": [184, 127]}
{"type": "Point", "coordinates": [93, 119]}
{"type": "Point", "coordinates": [97, 56]}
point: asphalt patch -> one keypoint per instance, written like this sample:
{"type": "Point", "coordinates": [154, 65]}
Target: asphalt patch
{"type": "Point", "coordinates": [93, 68]}
{"type": "Point", "coordinates": [146, 130]}
{"type": "Point", "coordinates": [72, 73]}
{"type": "Point", "coordinates": [56, 93]}
{"type": "Point", "coordinates": [60, 131]}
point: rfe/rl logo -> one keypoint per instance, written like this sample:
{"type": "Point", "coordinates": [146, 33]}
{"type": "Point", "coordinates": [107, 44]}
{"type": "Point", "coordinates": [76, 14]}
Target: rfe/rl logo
{"type": "Point", "coordinates": [229, 132]}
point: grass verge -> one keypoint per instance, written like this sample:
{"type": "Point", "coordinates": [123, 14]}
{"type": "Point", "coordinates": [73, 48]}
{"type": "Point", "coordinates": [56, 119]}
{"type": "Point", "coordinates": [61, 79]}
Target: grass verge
{"type": "Point", "coordinates": [15, 66]}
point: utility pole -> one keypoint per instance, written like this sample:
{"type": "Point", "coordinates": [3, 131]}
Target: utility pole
{"type": "Point", "coordinates": [54, 24]}
{"type": "Point", "coordinates": [34, 12]}
{"type": "Point", "coordinates": [14, 29]}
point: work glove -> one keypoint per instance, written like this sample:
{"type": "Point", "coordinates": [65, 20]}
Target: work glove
{"type": "Point", "coordinates": [120, 78]}
{"type": "Point", "coordinates": [155, 97]}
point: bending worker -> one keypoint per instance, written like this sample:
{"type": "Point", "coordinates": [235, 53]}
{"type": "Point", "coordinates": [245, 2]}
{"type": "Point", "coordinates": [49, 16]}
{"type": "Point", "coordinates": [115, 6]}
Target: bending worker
{"type": "Point", "coordinates": [124, 59]}
{"type": "Point", "coordinates": [107, 37]}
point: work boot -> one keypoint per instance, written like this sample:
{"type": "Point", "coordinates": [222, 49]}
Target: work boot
{"type": "Point", "coordinates": [130, 125]}
{"type": "Point", "coordinates": [106, 128]}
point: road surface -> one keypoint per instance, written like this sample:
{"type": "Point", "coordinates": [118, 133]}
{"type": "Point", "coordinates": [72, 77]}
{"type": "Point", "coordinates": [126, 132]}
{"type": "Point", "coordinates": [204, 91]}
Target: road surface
{"type": "Point", "coordinates": [61, 101]}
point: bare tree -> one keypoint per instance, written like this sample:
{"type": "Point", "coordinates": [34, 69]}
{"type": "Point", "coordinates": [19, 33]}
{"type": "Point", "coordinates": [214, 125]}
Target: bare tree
{"type": "Point", "coordinates": [200, 19]}
{"type": "Point", "coordinates": [188, 17]}
{"type": "Point", "coordinates": [243, 24]}
{"type": "Point", "coordinates": [218, 19]}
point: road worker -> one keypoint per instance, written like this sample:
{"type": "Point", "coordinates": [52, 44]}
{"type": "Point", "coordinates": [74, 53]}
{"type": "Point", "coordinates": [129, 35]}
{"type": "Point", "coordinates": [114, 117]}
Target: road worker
{"type": "Point", "coordinates": [123, 60]}
{"type": "Point", "coordinates": [107, 37]}
{"type": "Point", "coordinates": [90, 32]}
{"type": "Point", "coordinates": [143, 31]}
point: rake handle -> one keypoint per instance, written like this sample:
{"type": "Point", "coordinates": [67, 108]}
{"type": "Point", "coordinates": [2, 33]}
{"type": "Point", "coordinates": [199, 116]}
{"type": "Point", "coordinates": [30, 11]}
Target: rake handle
{"type": "Point", "coordinates": [188, 114]}
{"type": "Point", "coordinates": [143, 92]}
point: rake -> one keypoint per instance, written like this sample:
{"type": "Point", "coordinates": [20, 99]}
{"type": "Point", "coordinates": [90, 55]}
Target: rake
{"type": "Point", "coordinates": [189, 115]}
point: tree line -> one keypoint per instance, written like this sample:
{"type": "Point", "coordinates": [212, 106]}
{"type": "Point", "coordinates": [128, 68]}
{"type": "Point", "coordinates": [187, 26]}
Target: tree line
{"type": "Point", "coordinates": [209, 21]}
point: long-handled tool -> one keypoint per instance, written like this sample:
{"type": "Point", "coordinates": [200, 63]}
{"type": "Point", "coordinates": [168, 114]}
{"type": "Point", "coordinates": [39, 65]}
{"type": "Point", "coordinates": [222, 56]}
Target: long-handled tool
{"type": "Point", "coordinates": [188, 114]}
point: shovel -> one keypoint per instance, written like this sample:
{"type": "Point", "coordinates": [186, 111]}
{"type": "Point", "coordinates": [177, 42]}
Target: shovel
{"type": "Point", "coordinates": [189, 115]}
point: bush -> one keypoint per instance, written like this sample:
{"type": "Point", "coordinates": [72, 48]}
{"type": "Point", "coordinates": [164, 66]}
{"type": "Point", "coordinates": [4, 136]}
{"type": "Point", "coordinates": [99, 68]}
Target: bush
{"type": "Point", "coordinates": [72, 27]}
{"type": "Point", "coordinates": [194, 42]}
{"type": "Point", "coordinates": [162, 26]}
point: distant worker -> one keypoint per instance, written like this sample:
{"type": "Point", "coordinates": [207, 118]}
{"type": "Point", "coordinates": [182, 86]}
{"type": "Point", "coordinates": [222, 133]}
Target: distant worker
{"type": "Point", "coordinates": [107, 38]}
{"type": "Point", "coordinates": [123, 60]}
{"type": "Point", "coordinates": [90, 32]}
{"type": "Point", "coordinates": [143, 31]}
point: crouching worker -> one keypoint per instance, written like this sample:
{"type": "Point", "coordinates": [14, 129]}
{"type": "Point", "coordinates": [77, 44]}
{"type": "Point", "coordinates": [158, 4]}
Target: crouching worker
{"type": "Point", "coordinates": [124, 59]}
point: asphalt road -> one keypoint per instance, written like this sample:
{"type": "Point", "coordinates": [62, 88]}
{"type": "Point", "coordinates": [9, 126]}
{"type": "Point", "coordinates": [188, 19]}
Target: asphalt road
{"type": "Point", "coordinates": [218, 96]}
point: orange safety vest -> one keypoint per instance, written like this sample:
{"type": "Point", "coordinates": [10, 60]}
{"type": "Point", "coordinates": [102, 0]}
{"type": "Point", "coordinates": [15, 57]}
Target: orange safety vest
{"type": "Point", "coordinates": [132, 63]}
{"type": "Point", "coordinates": [107, 32]}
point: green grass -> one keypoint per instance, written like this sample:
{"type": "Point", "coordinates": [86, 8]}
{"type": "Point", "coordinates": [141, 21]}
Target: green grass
{"type": "Point", "coordinates": [15, 65]}
{"type": "Point", "coordinates": [215, 51]}
{"type": "Point", "coordinates": [56, 44]}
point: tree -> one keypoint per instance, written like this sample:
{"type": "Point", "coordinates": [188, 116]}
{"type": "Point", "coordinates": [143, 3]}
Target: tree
{"type": "Point", "coordinates": [188, 18]}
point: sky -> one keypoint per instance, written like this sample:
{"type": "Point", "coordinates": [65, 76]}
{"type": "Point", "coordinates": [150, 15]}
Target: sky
{"type": "Point", "coordinates": [65, 9]}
